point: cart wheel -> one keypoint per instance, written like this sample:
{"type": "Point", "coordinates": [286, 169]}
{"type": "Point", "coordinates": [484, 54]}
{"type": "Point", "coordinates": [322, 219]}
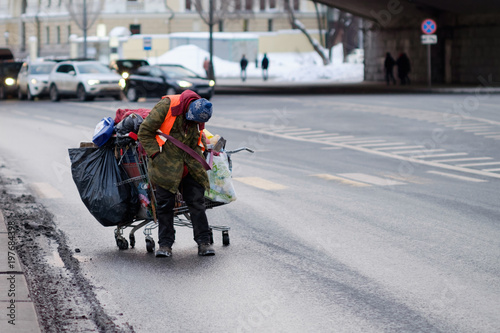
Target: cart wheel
{"type": "Point", "coordinates": [150, 245]}
{"type": "Point", "coordinates": [121, 243]}
{"type": "Point", "coordinates": [211, 236]}
{"type": "Point", "coordinates": [225, 237]}
{"type": "Point", "coordinates": [132, 240]}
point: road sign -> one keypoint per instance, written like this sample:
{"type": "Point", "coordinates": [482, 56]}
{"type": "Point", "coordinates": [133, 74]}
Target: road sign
{"type": "Point", "coordinates": [429, 39]}
{"type": "Point", "coordinates": [429, 26]}
{"type": "Point", "coordinates": [146, 43]}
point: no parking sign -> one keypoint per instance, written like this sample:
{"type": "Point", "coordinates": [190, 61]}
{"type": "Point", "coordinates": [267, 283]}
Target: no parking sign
{"type": "Point", "coordinates": [429, 26]}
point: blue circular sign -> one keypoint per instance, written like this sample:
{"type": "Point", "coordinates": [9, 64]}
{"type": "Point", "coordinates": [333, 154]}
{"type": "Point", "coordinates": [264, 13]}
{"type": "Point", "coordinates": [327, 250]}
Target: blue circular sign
{"type": "Point", "coordinates": [429, 26]}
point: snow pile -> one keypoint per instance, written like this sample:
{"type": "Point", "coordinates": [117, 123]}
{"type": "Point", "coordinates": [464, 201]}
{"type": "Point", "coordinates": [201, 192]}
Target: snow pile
{"type": "Point", "coordinates": [283, 66]}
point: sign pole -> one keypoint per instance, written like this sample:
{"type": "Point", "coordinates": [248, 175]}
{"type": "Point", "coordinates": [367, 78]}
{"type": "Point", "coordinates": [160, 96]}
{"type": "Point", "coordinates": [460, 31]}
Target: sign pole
{"type": "Point", "coordinates": [429, 71]}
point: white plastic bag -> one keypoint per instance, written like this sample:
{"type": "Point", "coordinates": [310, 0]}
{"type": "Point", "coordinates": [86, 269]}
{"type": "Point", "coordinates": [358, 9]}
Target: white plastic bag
{"type": "Point", "coordinates": [221, 184]}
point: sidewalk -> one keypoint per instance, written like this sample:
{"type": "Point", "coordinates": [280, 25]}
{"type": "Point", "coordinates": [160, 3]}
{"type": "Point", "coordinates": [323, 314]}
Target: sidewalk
{"type": "Point", "coordinates": [259, 86]}
{"type": "Point", "coordinates": [18, 311]}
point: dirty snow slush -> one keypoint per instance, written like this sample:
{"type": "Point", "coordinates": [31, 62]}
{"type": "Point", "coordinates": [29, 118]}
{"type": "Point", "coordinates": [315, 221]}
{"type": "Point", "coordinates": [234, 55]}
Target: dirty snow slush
{"type": "Point", "coordinates": [64, 299]}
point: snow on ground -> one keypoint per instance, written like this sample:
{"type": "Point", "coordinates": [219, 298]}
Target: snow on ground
{"type": "Point", "coordinates": [282, 66]}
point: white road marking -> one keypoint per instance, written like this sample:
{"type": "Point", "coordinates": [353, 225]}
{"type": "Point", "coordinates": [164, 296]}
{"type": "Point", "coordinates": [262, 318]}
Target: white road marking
{"type": "Point", "coordinates": [478, 164]}
{"type": "Point", "coordinates": [45, 191]}
{"type": "Point", "coordinates": [330, 148]}
{"type": "Point", "coordinates": [487, 133]}
{"type": "Point", "coordinates": [464, 159]}
{"type": "Point", "coordinates": [260, 183]}
{"type": "Point", "coordinates": [383, 144]}
{"type": "Point", "coordinates": [341, 180]}
{"type": "Point", "coordinates": [63, 122]}
{"type": "Point", "coordinates": [358, 141]}
{"type": "Point", "coordinates": [339, 138]}
{"type": "Point", "coordinates": [419, 151]}
{"type": "Point", "coordinates": [286, 130]}
{"type": "Point", "coordinates": [317, 136]}
{"type": "Point", "coordinates": [400, 147]}
{"type": "Point", "coordinates": [371, 179]}
{"type": "Point", "coordinates": [306, 133]}
{"type": "Point", "coordinates": [440, 155]}
{"type": "Point", "coordinates": [491, 170]}
{"type": "Point", "coordinates": [476, 129]}
{"type": "Point", "coordinates": [469, 179]}
{"type": "Point", "coordinates": [258, 128]}
{"type": "Point", "coordinates": [42, 117]}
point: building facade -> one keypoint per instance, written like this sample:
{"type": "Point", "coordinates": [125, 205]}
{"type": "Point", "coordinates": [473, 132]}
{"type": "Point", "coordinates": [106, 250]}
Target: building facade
{"type": "Point", "coordinates": [48, 26]}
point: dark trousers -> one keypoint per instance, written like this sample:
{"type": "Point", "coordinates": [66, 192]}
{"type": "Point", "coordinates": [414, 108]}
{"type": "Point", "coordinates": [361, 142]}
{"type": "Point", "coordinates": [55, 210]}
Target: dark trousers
{"type": "Point", "coordinates": [194, 195]}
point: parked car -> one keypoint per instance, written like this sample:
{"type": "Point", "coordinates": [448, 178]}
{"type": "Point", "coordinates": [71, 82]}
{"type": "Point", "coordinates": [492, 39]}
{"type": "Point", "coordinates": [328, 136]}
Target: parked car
{"type": "Point", "coordinates": [33, 79]}
{"type": "Point", "coordinates": [157, 81]}
{"type": "Point", "coordinates": [8, 77]}
{"type": "Point", "coordinates": [84, 79]}
{"type": "Point", "coordinates": [125, 67]}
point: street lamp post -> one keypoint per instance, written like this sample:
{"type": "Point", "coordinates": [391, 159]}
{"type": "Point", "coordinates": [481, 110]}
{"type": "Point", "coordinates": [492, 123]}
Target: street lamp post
{"type": "Point", "coordinates": [211, 73]}
{"type": "Point", "coordinates": [85, 29]}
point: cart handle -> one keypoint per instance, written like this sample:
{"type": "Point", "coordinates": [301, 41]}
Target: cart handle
{"type": "Point", "coordinates": [229, 152]}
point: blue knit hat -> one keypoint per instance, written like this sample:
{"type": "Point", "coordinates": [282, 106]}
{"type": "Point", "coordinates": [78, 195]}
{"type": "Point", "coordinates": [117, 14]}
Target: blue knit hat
{"type": "Point", "coordinates": [199, 110]}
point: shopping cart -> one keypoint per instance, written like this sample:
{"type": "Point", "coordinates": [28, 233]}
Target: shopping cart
{"type": "Point", "coordinates": [132, 158]}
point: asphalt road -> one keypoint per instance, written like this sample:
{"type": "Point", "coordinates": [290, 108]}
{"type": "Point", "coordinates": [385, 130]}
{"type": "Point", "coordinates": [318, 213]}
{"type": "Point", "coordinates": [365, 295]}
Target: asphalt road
{"type": "Point", "coordinates": [357, 213]}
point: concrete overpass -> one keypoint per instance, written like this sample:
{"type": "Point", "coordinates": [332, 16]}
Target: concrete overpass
{"type": "Point", "coordinates": [468, 49]}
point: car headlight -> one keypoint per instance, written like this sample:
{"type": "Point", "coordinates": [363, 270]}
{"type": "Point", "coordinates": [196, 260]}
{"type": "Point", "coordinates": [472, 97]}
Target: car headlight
{"type": "Point", "coordinates": [34, 81]}
{"type": "Point", "coordinates": [9, 81]}
{"type": "Point", "coordinates": [184, 84]}
{"type": "Point", "coordinates": [211, 83]}
{"type": "Point", "coordinates": [125, 75]}
{"type": "Point", "coordinates": [122, 83]}
{"type": "Point", "coordinates": [93, 82]}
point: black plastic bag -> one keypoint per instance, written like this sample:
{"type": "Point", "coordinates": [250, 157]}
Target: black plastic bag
{"type": "Point", "coordinates": [97, 176]}
{"type": "Point", "coordinates": [129, 124]}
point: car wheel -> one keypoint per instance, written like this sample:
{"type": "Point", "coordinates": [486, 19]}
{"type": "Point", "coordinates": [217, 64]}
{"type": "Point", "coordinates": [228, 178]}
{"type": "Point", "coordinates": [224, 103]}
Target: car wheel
{"type": "Point", "coordinates": [20, 94]}
{"type": "Point", "coordinates": [170, 91]}
{"type": "Point", "coordinates": [81, 94]}
{"type": "Point", "coordinates": [54, 93]}
{"type": "Point", "coordinates": [29, 95]}
{"type": "Point", "coordinates": [132, 94]}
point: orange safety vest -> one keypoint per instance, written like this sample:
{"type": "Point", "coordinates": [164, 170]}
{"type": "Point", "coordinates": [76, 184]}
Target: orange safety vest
{"type": "Point", "coordinates": [169, 121]}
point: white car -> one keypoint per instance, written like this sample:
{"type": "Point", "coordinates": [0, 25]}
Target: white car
{"type": "Point", "coordinates": [84, 80]}
{"type": "Point", "coordinates": [33, 79]}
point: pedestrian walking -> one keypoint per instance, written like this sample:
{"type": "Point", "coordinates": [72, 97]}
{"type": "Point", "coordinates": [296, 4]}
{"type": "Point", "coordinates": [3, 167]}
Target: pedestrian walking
{"type": "Point", "coordinates": [389, 66]}
{"type": "Point", "coordinates": [404, 68]}
{"type": "Point", "coordinates": [243, 65]}
{"type": "Point", "coordinates": [265, 66]}
{"type": "Point", "coordinates": [172, 169]}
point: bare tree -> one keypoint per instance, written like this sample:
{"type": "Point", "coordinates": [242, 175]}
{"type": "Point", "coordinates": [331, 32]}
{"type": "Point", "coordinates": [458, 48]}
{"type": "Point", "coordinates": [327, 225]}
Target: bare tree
{"type": "Point", "coordinates": [84, 13]}
{"type": "Point", "coordinates": [296, 24]}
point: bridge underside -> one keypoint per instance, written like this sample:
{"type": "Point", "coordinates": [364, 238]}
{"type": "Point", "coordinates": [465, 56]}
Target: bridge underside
{"type": "Point", "coordinates": [468, 35]}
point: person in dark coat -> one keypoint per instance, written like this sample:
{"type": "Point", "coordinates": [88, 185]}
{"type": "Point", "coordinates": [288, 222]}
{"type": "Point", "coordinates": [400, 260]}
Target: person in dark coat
{"type": "Point", "coordinates": [243, 65]}
{"type": "Point", "coordinates": [389, 66]}
{"type": "Point", "coordinates": [404, 68]}
{"type": "Point", "coordinates": [265, 65]}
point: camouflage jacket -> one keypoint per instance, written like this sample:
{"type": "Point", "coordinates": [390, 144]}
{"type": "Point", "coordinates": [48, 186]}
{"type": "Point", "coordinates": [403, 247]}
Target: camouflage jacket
{"type": "Point", "coordinates": [167, 167]}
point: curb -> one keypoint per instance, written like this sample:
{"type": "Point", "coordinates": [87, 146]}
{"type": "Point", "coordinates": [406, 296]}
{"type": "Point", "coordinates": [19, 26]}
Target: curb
{"type": "Point", "coordinates": [17, 312]}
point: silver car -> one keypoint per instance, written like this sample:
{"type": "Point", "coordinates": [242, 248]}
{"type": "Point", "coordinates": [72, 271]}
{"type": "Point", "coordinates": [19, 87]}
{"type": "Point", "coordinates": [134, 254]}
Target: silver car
{"type": "Point", "coordinates": [85, 80]}
{"type": "Point", "coordinates": [33, 79]}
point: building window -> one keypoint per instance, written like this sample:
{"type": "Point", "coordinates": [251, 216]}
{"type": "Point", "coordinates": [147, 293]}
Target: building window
{"type": "Point", "coordinates": [221, 26]}
{"type": "Point", "coordinates": [47, 35]}
{"type": "Point", "coordinates": [58, 35]}
{"type": "Point", "coordinates": [296, 4]}
{"type": "Point", "coordinates": [135, 29]}
{"type": "Point", "coordinates": [188, 4]}
{"type": "Point", "coordinates": [262, 5]}
{"type": "Point", "coordinates": [245, 25]}
{"type": "Point", "coordinates": [69, 32]}
{"type": "Point", "coordinates": [270, 25]}
{"type": "Point", "coordinates": [249, 5]}
{"type": "Point", "coordinates": [272, 4]}
{"type": "Point", "coordinates": [237, 5]}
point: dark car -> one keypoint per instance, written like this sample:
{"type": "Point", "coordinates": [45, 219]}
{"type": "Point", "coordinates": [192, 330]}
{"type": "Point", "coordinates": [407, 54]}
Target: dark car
{"type": "Point", "coordinates": [125, 67]}
{"type": "Point", "coordinates": [161, 80]}
{"type": "Point", "coordinates": [9, 71]}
